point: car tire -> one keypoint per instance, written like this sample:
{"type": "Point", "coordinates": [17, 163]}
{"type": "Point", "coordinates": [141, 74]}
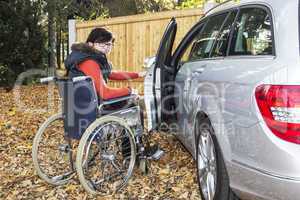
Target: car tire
{"type": "Point", "coordinates": [211, 170]}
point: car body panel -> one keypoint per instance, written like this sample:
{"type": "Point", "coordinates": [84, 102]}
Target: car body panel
{"type": "Point", "coordinates": [254, 184]}
{"type": "Point", "coordinates": [259, 164]}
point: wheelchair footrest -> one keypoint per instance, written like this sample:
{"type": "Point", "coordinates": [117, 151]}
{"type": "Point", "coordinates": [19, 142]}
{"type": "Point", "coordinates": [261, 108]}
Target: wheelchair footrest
{"type": "Point", "coordinates": [154, 153]}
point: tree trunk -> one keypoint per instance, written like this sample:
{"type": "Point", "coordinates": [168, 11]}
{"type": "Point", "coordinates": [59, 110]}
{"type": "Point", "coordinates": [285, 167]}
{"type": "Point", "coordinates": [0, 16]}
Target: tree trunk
{"type": "Point", "coordinates": [58, 45]}
{"type": "Point", "coordinates": [63, 49]}
{"type": "Point", "coordinates": [51, 6]}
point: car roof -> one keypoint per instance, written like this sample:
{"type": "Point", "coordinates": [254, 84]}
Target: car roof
{"type": "Point", "coordinates": [277, 4]}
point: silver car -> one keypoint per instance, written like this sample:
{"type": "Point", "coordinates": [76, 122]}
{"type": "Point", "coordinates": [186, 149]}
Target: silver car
{"type": "Point", "coordinates": [230, 92]}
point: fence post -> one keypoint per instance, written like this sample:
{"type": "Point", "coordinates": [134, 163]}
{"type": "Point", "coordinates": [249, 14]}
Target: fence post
{"type": "Point", "coordinates": [72, 32]}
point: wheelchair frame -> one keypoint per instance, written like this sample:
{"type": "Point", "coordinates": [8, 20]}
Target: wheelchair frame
{"type": "Point", "coordinates": [127, 121]}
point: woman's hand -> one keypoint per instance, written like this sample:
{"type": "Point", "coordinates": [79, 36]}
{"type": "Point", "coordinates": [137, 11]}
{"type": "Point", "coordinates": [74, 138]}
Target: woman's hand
{"type": "Point", "coordinates": [142, 74]}
{"type": "Point", "coordinates": [134, 91]}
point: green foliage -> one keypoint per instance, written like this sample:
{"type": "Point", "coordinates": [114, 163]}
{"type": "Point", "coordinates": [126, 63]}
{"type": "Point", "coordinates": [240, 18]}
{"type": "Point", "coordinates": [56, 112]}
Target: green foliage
{"type": "Point", "coordinates": [190, 4]}
{"type": "Point", "coordinates": [6, 75]}
{"type": "Point", "coordinates": [22, 38]}
{"type": "Point", "coordinates": [83, 9]}
{"type": "Point", "coordinates": [154, 5]}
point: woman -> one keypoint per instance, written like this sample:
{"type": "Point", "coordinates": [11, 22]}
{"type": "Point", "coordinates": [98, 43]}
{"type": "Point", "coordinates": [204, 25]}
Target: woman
{"type": "Point", "coordinates": [90, 59]}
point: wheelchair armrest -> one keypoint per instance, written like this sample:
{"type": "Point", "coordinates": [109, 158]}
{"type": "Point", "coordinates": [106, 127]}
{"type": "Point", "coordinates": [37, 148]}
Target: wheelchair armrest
{"type": "Point", "coordinates": [129, 97]}
{"type": "Point", "coordinates": [47, 79]}
{"type": "Point", "coordinates": [80, 78]}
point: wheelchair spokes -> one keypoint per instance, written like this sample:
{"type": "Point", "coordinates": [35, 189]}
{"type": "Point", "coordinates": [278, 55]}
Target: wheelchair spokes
{"type": "Point", "coordinates": [52, 154]}
{"type": "Point", "coordinates": [113, 164]}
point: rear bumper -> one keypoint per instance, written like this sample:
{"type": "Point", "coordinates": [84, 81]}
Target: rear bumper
{"type": "Point", "coordinates": [250, 183]}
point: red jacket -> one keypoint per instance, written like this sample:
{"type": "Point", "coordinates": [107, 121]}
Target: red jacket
{"type": "Point", "coordinates": [92, 69]}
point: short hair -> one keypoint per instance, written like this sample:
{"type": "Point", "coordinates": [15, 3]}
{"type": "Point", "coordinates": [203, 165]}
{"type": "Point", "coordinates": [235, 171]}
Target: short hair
{"type": "Point", "coordinates": [100, 35]}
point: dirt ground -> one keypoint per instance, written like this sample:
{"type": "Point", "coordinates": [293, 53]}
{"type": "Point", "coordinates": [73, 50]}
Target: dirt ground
{"type": "Point", "coordinates": [172, 177]}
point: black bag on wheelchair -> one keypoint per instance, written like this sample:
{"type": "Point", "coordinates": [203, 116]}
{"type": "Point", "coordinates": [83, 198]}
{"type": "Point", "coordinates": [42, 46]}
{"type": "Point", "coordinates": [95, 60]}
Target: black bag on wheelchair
{"type": "Point", "coordinates": [80, 105]}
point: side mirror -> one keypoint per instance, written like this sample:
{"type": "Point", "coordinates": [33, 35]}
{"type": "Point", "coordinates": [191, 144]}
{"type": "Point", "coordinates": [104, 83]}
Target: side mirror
{"type": "Point", "coordinates": [148, 62]}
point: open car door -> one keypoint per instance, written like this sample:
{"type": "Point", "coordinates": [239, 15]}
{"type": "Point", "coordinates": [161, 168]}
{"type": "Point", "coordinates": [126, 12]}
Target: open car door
{"type": "Point", "coordinates": [159, 82]}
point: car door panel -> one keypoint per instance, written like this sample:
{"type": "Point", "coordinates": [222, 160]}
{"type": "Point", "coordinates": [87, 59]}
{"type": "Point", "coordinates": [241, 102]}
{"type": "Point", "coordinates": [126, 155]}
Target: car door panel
{"type": "Point", "coordinates": [160, 80]}
{"type": "Point", "coordinates": [197, 64]}
{"type": "Point", "coordinates": [198, 94]}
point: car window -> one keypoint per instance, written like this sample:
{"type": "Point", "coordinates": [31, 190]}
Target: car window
{"type": "Point", "coordinates": [193, 38]}
{"type": "Point", "coordinates": [203, 43]}
{"type": "Point", "coordinates": [221, 43]}
{"type": "Point", "coordinates": [253, 33]}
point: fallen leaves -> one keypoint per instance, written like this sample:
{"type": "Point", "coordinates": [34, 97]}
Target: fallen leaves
{"type": "Point", "coordinates": [172, 177]}
{"type": "Point", "coordinates": [11, 112]}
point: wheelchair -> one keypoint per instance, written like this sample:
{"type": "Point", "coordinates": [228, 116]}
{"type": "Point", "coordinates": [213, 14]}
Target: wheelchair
{"type": "Point", "coordinates": [100, 141]}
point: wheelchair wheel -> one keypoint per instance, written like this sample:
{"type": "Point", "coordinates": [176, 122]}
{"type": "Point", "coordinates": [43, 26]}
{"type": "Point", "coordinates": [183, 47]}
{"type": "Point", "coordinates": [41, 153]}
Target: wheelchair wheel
{"type": "Point", "coordinates": [51, 153]}
{"type": "Point", "coordinates": [106, 156]}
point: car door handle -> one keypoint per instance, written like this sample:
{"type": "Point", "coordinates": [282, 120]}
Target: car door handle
{"type": "Point", "coordinates": [200, 70]}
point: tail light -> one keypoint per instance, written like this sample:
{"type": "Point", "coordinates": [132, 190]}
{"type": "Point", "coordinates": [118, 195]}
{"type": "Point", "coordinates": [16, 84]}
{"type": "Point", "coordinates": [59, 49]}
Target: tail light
{"type": "Point", "coordinates": [280, 108]}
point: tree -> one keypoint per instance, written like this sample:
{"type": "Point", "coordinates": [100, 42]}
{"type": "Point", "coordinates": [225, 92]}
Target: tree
{"type": "Point", "coordinates": [190, 4]}
{"type": "Point", "coordinates": [155, 5]}
{"type": "Point", "coordinates": [120, 8]}
{"type": "Point", "coordinates": [22, 38]}
{"type": "Point", "coordinates": [51, 9]}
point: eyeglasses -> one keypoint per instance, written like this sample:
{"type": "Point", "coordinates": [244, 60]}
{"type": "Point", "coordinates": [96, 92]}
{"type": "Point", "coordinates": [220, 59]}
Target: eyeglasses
{"type": "Point", "coordinates": [106, 44]}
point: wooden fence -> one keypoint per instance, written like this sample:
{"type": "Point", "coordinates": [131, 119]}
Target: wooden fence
{"type": "Point", "coordinates": [137, 37]}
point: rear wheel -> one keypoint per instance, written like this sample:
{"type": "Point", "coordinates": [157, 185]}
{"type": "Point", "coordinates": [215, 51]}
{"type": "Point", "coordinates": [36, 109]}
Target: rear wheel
{"type": "Point", "coordinates": [212, 176]}
{"type": "Point", "coordinates": [106, 156]}
{"type": "Point", "coordinates": [52, 153]}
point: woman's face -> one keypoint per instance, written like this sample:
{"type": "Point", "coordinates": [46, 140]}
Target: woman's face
{"type": "Point", "coordinates": [104, 47]}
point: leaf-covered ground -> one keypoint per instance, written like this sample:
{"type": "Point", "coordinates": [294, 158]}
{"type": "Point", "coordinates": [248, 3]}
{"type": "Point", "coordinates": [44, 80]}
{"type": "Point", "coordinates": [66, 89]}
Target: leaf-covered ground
{"type": "Point", "coordinates": [172, 177]}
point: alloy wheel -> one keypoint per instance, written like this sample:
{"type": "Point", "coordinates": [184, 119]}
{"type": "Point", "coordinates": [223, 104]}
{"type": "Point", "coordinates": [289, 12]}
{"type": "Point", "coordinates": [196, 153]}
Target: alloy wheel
{"type": "Point", "coordinates": [207, 165]}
